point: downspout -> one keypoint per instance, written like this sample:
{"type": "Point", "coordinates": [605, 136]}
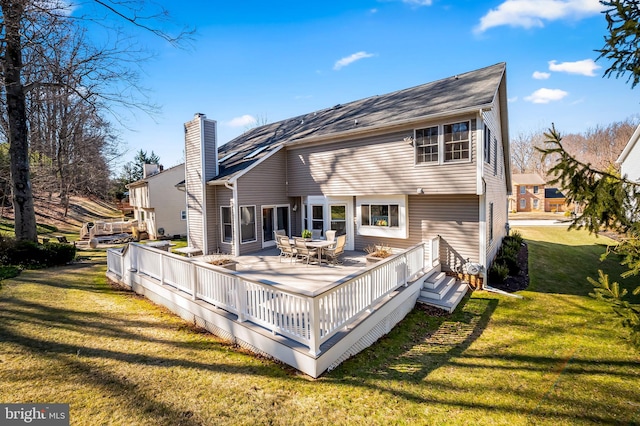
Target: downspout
{"type": "Point", "coordinates": [234, 217]}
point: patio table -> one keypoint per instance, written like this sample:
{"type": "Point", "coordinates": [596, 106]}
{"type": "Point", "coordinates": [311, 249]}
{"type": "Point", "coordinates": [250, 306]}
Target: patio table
{"type": "Point", "coordinates": [320, 245]}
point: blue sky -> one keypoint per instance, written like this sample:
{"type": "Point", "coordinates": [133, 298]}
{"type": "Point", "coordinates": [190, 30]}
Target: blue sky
{"type": "Point", "coordinates": [256, 60]}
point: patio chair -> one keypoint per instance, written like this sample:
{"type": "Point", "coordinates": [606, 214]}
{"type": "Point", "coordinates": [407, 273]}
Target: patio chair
{"type": "Point", "coordinates": [286, 249]}
{"type": "Point", "coordinates": [279, 232]}
{"type": "Point", "coordinates": [333, 254]}
{"type": "Point", "coordinates": [303, 252]}
{"type": "Point", "coordinates": [330, 234]}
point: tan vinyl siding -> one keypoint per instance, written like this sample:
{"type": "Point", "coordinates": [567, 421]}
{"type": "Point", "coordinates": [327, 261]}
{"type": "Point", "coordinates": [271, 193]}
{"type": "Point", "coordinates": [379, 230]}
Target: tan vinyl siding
{"type": "Point", "coordinates": [496, 190]}
{"type": "Point", "coordinates": [219, 196]}
{"type": "Point", "coordinates": [193, 184]}
{"type": "Point", "coordinates": [264, 185]}
{"type": "Point", "coordinates": [210, 150]}
{"type": "Point", "coordinates": [453, 217]}
{"type": "Point", "coordinates": [381, 164]}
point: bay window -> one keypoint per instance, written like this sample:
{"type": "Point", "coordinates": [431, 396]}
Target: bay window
{"type": "Point", "coordinates": [382, 216]}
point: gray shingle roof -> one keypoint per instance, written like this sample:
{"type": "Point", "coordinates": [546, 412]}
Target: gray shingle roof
{"type": "Point", "coordinates": [471, 89]}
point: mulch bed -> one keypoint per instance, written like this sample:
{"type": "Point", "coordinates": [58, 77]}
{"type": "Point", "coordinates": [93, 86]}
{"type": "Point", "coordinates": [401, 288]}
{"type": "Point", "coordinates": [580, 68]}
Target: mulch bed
{"type": "Point", "coordinates": [520, 281]}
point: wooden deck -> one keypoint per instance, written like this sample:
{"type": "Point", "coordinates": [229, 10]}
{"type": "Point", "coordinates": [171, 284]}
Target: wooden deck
{"type": "Point", "coordinates": [311, 317]}
{"type": "Point", "coordinates": [312, 279]}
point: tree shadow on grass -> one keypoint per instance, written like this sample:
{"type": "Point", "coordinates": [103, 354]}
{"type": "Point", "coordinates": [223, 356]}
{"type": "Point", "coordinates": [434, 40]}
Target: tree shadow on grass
{"type": "Point", "coordinates": [424, 344]}
{"type": "Point", "coordinates": [85, 341]}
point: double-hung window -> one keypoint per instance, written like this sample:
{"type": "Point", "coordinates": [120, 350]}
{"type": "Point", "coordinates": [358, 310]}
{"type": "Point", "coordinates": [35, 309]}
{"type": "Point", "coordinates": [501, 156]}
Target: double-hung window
{"type": "Point", "coordinates": [487, 145]}
{"type": "Point", "coordinates": [227, 228]}
{"type": "Point", "coordinates": [427, 145]}
{"type": "Point", "coordinates": [445, 143]}
{"type": "Point", "coordinates": [248, 223]}
{"type": "Point", "coordinates": [456, 141]}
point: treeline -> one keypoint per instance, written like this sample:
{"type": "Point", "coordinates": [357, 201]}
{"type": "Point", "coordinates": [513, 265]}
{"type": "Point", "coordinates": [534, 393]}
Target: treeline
{"type": "Point", "coordinates": [599, 146]}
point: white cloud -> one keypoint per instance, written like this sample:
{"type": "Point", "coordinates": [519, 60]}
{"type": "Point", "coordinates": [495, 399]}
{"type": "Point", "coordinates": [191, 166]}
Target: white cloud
{"type": "Point", "coordinates": [351, 59]}
{"type": "Point", "coordinates": [511, 100]}
{"type": "Point", "coordinates": [585, 67]}
{"type": "Point", "coordinates": [242, 121]}
{"type": "Point", "coordinates": [418, 2]}
{"type": "Point", "coordinates": [534, 13]}
{"type": "Point", "coordinates": [541, 75]}
{"type": "Point", "coordinates": [544, 96]}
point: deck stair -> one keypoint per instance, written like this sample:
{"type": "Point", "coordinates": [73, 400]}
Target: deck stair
{"type": "Point", "coordinates": [442, 291]}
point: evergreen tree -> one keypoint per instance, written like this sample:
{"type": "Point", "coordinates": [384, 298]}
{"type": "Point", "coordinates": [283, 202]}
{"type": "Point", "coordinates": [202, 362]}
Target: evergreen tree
{"type": "Point", "coordinates": [608, 201]}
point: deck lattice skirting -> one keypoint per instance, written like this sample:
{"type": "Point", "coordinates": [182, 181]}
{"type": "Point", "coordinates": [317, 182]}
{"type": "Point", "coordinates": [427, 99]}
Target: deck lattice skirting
{"type": "Point", "coordinates": [311, 332]}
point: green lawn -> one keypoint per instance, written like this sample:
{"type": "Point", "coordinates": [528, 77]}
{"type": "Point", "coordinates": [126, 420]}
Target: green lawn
{"type": "Point", "coordinates": [555, 357]}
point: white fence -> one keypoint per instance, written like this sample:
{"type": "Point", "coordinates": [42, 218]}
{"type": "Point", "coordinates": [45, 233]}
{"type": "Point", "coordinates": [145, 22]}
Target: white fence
{"type": "Point", "coordinates": [310, 320]}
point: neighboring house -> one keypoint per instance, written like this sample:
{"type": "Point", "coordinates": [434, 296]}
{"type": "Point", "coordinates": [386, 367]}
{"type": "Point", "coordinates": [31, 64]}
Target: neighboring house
{"type": "Point", "coordinates": [528, 194]}
{"type": "Point", "coordinates": [555, 201]}
{"type": "Point", "coordinates": [395, 169]}
{"type": "Point", "coordinates": [158, 206]}
{"type": "Point", "coordinates": [629, 159]}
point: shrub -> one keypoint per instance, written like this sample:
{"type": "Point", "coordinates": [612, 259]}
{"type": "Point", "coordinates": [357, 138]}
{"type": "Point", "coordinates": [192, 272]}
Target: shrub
{"type": "Point", "coordinates": [517, 236]}
{"type": "Point", "coordinates": [29, 254]}
{"type": "Point", "coordinates": [498, 272]}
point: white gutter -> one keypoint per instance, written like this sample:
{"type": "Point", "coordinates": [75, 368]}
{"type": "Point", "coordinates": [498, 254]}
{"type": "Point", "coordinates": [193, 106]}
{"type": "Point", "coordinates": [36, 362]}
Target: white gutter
{"type": "Point", "coordinates": [234, 217]}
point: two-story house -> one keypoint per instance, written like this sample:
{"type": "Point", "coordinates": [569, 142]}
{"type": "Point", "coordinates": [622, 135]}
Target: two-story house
{"type": "Point", "coordinates": [158, 206]}
{"type": "Point", "coordinates": [397, 169]}
{"type": "Point", "coordinates": [528, 194]}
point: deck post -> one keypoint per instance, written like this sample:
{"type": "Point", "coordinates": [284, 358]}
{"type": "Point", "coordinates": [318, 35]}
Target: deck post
{"type": "Point", "coordinates": [194, 281]}
{"type": "Point", "coordinates": [314, 326]}
{"type": "Point", "coordinates": [369, 290]}
{"type": "Point", "coordinates": [241, 299]}
{"type": "Point", "coordinates": [161, 269]}
{"type": "Point", "coordinates": [405, 270]}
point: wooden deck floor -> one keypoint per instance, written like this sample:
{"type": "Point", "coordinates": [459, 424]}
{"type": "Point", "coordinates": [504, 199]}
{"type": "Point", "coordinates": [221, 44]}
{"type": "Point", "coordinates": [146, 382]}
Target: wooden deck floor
{"type": "Point", "coordinates": [310, 280]}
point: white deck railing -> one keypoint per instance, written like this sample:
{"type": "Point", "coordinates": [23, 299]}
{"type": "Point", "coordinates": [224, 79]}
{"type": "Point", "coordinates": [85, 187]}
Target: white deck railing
{"type": "Point", "coordinates": [310, 320]}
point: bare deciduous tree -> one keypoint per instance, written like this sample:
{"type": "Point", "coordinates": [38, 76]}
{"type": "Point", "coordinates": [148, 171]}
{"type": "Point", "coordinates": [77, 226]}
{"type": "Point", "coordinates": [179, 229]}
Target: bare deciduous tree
{"type": "Point", "coordinates": [43, 44]}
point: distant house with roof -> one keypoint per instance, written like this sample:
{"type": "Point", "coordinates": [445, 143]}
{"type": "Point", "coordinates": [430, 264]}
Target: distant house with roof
{"type": "Point", "coordinates": [396, 169]}
{"type": "Point", "coordinates": [158, 206]}
{"type": "Point", "coordinates": [554, 200]}
{"type": "Point", "coordinates": [528, 193]}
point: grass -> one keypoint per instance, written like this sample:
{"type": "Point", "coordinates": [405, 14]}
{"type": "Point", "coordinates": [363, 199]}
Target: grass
{"type": "Point", "coordinates": [555, 357]}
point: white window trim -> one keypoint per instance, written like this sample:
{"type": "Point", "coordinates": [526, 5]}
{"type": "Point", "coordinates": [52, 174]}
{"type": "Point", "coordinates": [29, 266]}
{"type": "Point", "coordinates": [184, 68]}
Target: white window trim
{"type": "Point", "coordinates": [401, 231]}
{"type": "Point", "coordinates": [442, 144]}
{"type": "Point", "coordinates": [523, 203]}
{"type": "Point", "coordinates": [183, 215]}
{"type": "Point", "coordinates": [255, 223]}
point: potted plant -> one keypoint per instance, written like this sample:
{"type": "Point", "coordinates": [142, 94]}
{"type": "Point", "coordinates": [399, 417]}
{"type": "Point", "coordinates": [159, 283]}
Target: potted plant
{"type": "Point", "coordinates": [222, 261]}
{"type": "Point", "coordinates": [377, 252]}
{"type": "Point", "coordinates": [306, 234]}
